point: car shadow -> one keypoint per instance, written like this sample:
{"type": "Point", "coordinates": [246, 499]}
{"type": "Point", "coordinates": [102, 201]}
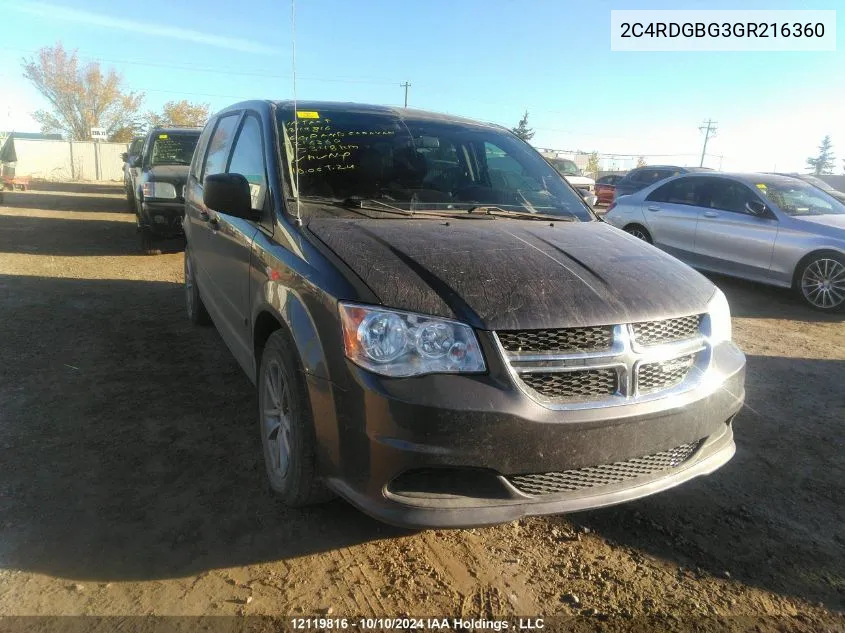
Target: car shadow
{"type": "Point", "coordinates": [773, 516]}
{"type": "Point", "coordinates": [754, 300]}
{"type": "Point", "coordinates": [67, 201]}
{"type": "Point", "coordinates": [35, 235]}
{"type": "Point", "coordinates": [129, 443]}
{"type": "Point", "coordinates": [90, 188]}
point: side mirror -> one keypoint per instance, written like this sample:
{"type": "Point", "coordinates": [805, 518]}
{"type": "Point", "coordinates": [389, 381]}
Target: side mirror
{"type": "Point", "coordinates": [756, 208]}
{"type": "Point", "coordinates": [124, 157]}
{"type": "Point", "coordinates": [228, 194]}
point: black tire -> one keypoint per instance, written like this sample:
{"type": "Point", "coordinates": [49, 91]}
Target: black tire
{"type": "Point", "coordinates": [297, 483]}
{"type": "Point", "coordinates": [196, 308]}
{"type": "Point", "coordinates": [148, 242]}
{"type": "Point", "coordinates": [640, 232]}
{"type": "Point", "coordinates": [819, 281]}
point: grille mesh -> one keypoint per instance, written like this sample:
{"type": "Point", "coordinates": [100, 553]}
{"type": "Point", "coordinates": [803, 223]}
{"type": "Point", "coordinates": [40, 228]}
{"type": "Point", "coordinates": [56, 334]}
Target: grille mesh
{"type": "Point", "coordinates": [604, 474]}
{"type": "Point", "coordinates": [578, 339]}
{"type": "Point", "coordinates": [667, 330]}
{"type": "Point", "coordinates": [581, 384]}
{"type": "Point", "coordinates": [657, 376]}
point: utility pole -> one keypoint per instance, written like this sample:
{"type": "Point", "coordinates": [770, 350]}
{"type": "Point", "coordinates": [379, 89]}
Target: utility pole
{"type": "Point", "coordinates": [405, 85]}
{"type": "Point", "coordinates": [709, 129]}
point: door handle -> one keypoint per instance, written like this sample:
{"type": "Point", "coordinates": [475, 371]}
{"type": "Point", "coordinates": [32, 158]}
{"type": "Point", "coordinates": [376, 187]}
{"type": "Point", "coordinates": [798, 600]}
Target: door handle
{"type": "Point", "coordinates": [215, 224]}
{"type": "Point", "coordinates": [653, 207]}
{"type": "Point", "coordinates": [711, 214]}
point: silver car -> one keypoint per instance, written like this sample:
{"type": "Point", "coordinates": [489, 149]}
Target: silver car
{"type": "Point", "coordinates": [772, 229]}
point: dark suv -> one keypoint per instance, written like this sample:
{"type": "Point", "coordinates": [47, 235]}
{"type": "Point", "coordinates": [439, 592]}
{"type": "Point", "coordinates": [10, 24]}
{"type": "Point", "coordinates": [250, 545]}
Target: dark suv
{"type": "Point", "coordinates": [440, 330]}
{"type": "Point", "coordinates": [158, 187]}
{"type": "Point", "coordinates": [643, 177]}
{"type": "Point", "coordinates": [130, 170]}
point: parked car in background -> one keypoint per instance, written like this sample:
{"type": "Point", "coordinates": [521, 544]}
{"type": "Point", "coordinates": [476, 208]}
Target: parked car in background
{"type": "Point", "coordinates": [130, 171]}
{"type": "Point", "coordinates": [772, 229]}
{"type": "Point", "coordinates": [160, 184]}
{"type": "Point", "coordinates": [642, 177]}
{"type": "Point", "coordinates": [574, 176]}
{"type": "Point", "coordinates": [606, 188]}
{"type": "Point", "coordinates": [817, 182]}
{"type": "Point", "coordinates": [439, 329]}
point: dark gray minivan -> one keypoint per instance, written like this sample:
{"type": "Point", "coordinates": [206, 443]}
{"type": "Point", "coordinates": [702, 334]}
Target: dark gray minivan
{"type": "Point", "coordinates": [439, 329]}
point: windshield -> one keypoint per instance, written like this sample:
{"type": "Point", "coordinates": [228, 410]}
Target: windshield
{"type": "Point", "coordinates": [818, 182]}
{"type": "Point", "coordinates": [173, 149]}
{"type": "Point", "coordinates": [565, 167]}
{"type": "Point", "coordinates": [422, 165]}
{"type": "Point", "coordinates": [800, 198]}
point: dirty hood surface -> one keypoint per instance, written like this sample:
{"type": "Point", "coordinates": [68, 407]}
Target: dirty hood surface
{"type": "Point", "coordinates": [515, 274]}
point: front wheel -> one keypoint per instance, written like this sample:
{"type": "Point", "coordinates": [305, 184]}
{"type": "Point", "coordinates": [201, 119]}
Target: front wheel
{"type": "Point", "coordinates": [821, 282]}
{"type": "Point", "coordinates": [639, 232]}
{"type": "Point", "coordinates": [286, 425]}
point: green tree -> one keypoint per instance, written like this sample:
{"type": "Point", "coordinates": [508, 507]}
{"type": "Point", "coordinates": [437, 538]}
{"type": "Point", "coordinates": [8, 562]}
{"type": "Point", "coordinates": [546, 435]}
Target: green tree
{"type": "Point", "coordinates": [593, 165]}
{"type": "Point", "coordinates": [823, 162]}
{"type": "Point", "coordinates": [522, 130]}
{"type": "Point", "coordinates": [641, 161]}
{"type": "Point", "coordinates": [179, 114]}
{"type": "Point", "coordinates": [81, 97]}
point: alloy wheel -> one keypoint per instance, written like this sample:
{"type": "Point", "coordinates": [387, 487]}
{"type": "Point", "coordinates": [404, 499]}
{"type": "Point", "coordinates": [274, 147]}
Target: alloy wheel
{"type": "Point", "coordinates": [823, 283]}
{"type": "Point", "coordinates": [276, 418]}
{"type": "Point", "coordinates": [639, 234]}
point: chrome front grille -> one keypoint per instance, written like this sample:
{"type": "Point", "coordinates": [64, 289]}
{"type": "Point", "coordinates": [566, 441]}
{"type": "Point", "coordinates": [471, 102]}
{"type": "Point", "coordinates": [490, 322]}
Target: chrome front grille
{"type": "Point", "coordinates": [588, 367]}
{"type": "Point", "coordinates": [666, 330]}
{"type": "Point", "coordinates": [576, 339]}
{"type": "Point", "coordinates": [663, 374]}
{"type": "Point", "coordinates": [604, 474]}
{"type": "Point", "coordinates": [575, 385]}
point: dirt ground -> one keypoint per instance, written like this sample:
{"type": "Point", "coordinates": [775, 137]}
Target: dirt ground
{"type": "Point", "coordinates": [131, 480]}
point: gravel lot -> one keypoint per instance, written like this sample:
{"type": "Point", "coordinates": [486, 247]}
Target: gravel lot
{"type": "Point", "coordinates": [131, 481]}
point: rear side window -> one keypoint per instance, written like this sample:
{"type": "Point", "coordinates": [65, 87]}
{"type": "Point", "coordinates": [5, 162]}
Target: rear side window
{"type": "Point", "coordinates": [218, 146]}
{"type": "Point", "coordinates": [687, 191]}
{"type": "Point", "coordinates": [199, 152]}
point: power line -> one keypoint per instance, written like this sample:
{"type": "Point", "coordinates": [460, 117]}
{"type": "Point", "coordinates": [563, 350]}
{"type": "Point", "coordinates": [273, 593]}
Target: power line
{"type": "Point", "coordinates": [708, 131]}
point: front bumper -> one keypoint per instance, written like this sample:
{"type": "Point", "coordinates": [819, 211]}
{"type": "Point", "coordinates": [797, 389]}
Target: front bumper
{"type": "Point", "coordinates": [163, 218]}
{"type": "Point", "coordinates": [453, 465]}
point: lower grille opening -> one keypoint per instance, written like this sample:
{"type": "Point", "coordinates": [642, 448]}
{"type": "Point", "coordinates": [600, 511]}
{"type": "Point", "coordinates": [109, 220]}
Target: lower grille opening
{"type": "Point", "coordinates": [663, 375]}
{"type": "Point", "coordinates": [604, 474]}
{"type": "Point", "coordinates": [584, 384]}
{"type": "Point", "coordinates": [448, 483]}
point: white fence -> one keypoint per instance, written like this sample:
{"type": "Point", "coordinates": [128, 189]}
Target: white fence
{"type": "Point", "coordinates": [67, 160]}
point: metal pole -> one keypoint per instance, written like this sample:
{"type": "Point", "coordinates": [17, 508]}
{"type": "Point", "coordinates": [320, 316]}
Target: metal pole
{"type": "Point", "coordinates": [405, 85]}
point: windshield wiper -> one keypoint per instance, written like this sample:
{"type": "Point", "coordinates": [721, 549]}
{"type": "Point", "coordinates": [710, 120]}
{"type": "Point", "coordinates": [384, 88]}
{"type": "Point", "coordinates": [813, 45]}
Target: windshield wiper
{"type": "Point", "coordinates": [521, 215]}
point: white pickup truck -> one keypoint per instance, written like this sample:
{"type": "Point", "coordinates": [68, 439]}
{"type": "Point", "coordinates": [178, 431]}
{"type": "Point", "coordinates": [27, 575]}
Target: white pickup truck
{"type": "Point", "coordinates": [569, 170]}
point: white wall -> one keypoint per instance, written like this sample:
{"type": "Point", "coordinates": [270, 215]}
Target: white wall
{"type": "Point", "coordinates": [51, 160]}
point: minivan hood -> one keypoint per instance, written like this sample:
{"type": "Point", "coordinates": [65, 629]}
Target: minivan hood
{"type": "Point", "coordinates": [515, 274]}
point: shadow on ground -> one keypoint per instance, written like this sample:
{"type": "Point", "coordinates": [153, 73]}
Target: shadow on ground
{"type": "Point", "coordinates": [60, 201]}
{"type": "Point", "coordinates": [90, 188]}
{"type": "Point", "coordinates": [754, 300]}
{"type": "Point", "coordinates": [129, 441]}
{"type": "Point", "coordinates": [74, 237]}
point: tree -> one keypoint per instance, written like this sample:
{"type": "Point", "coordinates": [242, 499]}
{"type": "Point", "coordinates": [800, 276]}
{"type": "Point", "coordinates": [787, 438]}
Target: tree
{"type": "Point", "coordinates": [823, 163]}
{"type": "Point", "coordinates": [641, 161]}
{"type": "Point", "coordinates": [593, 165]}
{"type": "Point", "coordinates": [522, 130]}
{"type": "Point", "coordinates": [80, 97]}
{"type": "Point", "coordinates": [179, 114]}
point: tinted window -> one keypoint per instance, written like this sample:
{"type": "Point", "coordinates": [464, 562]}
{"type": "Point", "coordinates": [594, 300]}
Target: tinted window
{"type": "Point", "coordinates": [679, 191]}
{"type": "Point", "coordinates": [170, 148]}
{"type": "Point", "coordinates": [728, 195]}
{"type": "Point", "coordinates": [199, 152]}
{"type": "Point", "coordinates": [421, 164]}
{"type": "Point", "coordinates": [136, 147]}
{"type": "Point", "coordinates": [218, 146]}
{"type": "Point", "coordinates": [796, 198]}
{"type": "Point", "coordinates": [248, 160]}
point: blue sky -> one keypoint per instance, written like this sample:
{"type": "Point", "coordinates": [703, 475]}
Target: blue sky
{"type": "Point", "coordinates": [486, 59]}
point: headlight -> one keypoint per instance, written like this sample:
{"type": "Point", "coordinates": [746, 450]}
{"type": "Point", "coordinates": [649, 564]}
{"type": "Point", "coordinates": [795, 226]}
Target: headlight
{"type": "Point", "coordinates": [154, 189]}
{"type": "Point", "coordinates": [719, 313]}
{"type": "Point", "coordinates": [393, 343]}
